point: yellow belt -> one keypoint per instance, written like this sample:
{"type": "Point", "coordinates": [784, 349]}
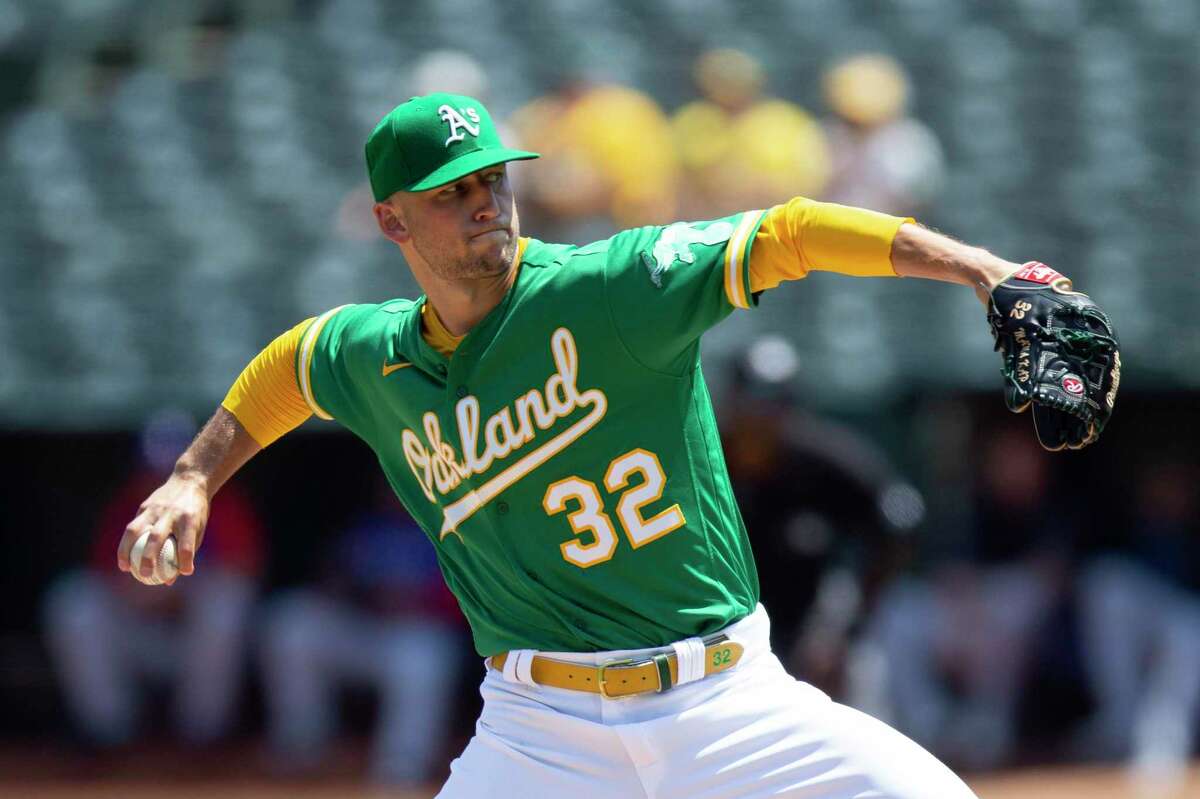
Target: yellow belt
{"type": "Point", "coordinates": [627, 676]}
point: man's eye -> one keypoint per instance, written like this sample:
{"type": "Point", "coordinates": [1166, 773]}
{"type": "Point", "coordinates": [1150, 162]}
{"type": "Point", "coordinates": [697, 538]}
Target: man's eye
{"type": "Point", "coordinates": [494, 177]}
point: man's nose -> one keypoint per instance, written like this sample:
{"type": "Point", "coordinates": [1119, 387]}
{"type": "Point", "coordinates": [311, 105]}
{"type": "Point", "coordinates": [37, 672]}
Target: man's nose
{"type": "Point", "coordinates": [487, 203]}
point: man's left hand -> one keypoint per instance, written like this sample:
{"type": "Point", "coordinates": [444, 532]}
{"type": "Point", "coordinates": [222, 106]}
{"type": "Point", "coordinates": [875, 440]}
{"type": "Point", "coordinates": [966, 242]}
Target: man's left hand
{"type": "Point", "coordinates": [1060, 355]}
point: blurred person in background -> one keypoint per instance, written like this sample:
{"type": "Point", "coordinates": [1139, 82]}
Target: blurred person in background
{"type": "Point", "coordinates": [882, 158]}
{"type": "Point", "coordinates": [381, 617]}
{"type": "Point", "coordinates": [957, 644]}
{"type": "Point", "coordinates": [741, 148]}
{"type": "Point", "coordinates": [832, 516]}
{"type": "Point", "coordinates": [451, 71]}
{"type": "Point", "coordinates": [112, 639]}
{"type": "Point", "coordinates": [1140, 610]}
{"type": "Point", "coordinates": [608, 160]}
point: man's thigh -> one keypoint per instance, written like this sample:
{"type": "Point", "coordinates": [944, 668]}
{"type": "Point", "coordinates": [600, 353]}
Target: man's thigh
{"type": "Point", "coordinates": [769, 735]}
{"type": "Point", "coordinates": [525, 749]}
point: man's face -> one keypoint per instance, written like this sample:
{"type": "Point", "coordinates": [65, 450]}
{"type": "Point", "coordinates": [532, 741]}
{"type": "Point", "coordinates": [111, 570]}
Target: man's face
{"type": "Point", "coordinates": [466, 229]}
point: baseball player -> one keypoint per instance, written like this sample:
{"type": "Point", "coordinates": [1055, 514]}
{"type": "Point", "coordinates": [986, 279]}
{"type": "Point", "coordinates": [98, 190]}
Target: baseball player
{"type": "Point", "coordinates": [541, 412]}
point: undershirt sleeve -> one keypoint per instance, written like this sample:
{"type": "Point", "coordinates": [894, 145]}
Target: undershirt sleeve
{"type": "Point", "coordinates": [804, 235]}
{"type": "Point", "coordinates": [265, 398]}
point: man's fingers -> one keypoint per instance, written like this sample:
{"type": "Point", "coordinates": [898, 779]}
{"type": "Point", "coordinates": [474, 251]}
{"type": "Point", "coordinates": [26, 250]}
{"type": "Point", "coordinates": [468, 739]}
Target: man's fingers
{"type": "Point", "coordinates": [175, 509]}
{"type": "Point", "coordinates": [188, 529]}
{"type": "Point", "coordinates": [185, 547]}
{"type": "Point", "coordinates": [133, 531]}
{"type": "Point", "coordinates": [158, 534]}
{"type": "Point", "coordinates": [123, 548]}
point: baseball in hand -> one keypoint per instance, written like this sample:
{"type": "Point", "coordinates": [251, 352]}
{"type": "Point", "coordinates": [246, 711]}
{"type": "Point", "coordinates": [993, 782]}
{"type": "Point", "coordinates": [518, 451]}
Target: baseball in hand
{"type": "Point", "coordinates": [165, 568]}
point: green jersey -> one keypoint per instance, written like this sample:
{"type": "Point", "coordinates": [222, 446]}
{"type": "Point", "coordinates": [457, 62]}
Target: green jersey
{"type": "Point", "coordinates": [565, 461]}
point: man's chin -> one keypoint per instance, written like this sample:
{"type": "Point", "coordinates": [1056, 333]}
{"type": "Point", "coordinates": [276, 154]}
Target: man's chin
{"type": "Point", "coordinates": [488, 258]}
{"type": "Point", "coordinates": [502, 253]}
{"type": "Point", "coordinates": [487, 267]}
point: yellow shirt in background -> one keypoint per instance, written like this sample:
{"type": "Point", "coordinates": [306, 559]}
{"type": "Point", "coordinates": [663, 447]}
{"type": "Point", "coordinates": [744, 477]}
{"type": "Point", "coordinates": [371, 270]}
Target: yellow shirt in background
{"type": "Point", "coordinates": [608, 150]}
{"type": "Point", "coordinates": [745, 160]}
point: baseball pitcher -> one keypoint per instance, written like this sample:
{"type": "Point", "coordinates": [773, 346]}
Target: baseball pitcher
{"type": "Point", "coordinates": [542, 413]}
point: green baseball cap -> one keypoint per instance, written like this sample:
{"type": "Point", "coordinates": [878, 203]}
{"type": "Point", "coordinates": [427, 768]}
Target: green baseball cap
{"type": "Point", "coordinates": [431, 141]}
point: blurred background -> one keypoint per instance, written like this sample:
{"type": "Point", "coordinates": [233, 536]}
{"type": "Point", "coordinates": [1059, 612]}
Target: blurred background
{"type": "Point", "coordinates": [182, 181]}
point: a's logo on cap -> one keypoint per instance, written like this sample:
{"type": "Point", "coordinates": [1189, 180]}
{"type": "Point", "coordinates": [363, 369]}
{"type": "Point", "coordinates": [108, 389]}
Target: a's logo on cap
{"type": "Point", "coordinates": [455, 121]}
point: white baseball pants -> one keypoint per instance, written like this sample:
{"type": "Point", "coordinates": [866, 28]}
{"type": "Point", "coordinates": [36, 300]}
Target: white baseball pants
{"type": "Point", "coordinates": [748, 732]}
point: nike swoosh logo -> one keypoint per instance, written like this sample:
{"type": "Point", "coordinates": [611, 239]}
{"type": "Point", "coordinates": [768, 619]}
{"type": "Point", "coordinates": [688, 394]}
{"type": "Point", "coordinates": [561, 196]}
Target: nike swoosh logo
{"type": "Point", "coordinates": [389, 368]}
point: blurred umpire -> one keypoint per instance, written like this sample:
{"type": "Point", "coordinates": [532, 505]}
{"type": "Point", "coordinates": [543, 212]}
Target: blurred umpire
{"type": "Point", "coordinates": [832, 515]}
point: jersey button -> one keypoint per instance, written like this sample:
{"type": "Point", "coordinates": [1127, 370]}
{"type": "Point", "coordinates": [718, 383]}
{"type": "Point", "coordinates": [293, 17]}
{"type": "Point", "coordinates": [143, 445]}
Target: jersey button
{"type": "Point", "coordinates": [461, 391]}
{"type": "Point", "coordinates": [502, 507]}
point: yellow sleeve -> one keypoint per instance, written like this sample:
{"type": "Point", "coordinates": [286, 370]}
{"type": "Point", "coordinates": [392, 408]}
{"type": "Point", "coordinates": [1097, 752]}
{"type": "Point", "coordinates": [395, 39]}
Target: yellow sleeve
{"type": "Point", "coordinates": [803, 235]}
{"type": "Point", "coordinates": [265, 398]}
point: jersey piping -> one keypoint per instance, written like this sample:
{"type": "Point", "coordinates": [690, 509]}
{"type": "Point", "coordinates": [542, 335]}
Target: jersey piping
{"type": "Point", "coordinates": [306, 352]}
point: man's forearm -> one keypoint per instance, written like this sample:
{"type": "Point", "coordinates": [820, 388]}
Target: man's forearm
{"type": "Point", "coordinates": [920, 252]}
{"type": "Point", "coordinates": [218, 451]}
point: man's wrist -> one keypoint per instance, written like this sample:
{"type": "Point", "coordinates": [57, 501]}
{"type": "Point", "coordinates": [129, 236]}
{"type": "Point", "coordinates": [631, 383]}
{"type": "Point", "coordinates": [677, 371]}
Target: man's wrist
{"type": "Point", "coordinates": [995, 270]}
{"type": "Point", "coordinates": [187, 471]}
{"type": "Point", "coordinates": [990, 272]}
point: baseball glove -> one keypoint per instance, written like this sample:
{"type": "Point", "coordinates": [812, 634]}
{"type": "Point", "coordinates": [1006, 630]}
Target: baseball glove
{"type": "Point", "coordinates": [1059, 354]}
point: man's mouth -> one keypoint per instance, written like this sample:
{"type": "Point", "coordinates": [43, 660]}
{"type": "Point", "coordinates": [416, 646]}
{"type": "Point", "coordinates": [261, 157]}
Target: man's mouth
{"type": "Point", "coordinates": [493, 229]}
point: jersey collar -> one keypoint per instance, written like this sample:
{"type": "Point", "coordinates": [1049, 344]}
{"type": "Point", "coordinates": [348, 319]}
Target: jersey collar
{"type": "Point", "coordinates": [414, 341]}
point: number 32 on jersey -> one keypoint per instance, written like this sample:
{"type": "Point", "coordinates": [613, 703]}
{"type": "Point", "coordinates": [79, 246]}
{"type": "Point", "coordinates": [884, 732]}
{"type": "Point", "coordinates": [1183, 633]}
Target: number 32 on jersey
{"type": "Point", "coordinates": [589, 516]}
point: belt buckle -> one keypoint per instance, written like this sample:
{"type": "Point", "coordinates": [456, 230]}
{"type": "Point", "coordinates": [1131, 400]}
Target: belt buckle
{"type": "Point", "coordinates": [603, 684]}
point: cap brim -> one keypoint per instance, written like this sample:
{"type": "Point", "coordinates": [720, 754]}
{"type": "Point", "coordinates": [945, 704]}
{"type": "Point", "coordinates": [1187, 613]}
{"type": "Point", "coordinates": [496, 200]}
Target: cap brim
{"type": "Point", "coordinates": [466, 164]}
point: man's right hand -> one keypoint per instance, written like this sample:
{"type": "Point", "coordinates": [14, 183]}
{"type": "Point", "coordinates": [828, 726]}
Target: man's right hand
{"type": "Point", "coordinates": [178, 507]}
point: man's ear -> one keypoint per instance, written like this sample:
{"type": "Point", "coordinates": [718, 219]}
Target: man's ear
{"type": "Point", "coordinates": [390, 222]}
